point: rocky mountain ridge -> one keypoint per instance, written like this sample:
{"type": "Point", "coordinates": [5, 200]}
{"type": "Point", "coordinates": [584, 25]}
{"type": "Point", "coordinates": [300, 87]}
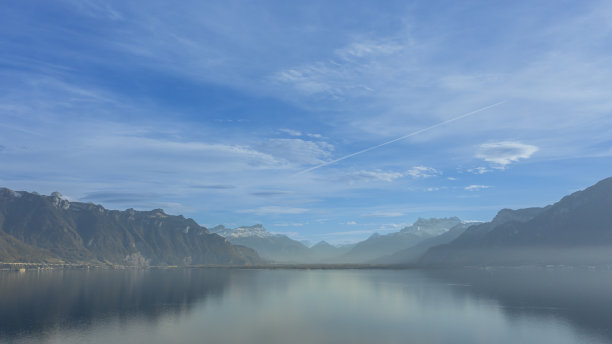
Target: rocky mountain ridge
{"type": "Point", "coordinates": [575, 230]}
{"type": "Point", "coordinates": [41, 228]}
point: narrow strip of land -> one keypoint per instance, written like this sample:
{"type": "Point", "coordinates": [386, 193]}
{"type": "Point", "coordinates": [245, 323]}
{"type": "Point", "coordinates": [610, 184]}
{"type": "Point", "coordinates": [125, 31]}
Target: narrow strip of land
{"type": "Point", "coordinates": [19, 266]}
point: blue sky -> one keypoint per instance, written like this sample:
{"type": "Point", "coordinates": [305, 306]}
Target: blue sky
{"type": "Point", "coordinates": [214, 109]}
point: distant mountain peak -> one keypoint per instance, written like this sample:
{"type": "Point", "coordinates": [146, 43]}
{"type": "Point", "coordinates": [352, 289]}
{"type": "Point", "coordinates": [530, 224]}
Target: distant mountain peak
{"type": "Point", "coordinates": [519, 215]}
{"type": "Point", "coordinates": [271, 246]}
{"type": "Point", "coordinates": [217, 228]}
{"type": "Point", "coordinates": [378, 245]}
{"type": "Point", "coordinates": [322, 243]}
{"type": "Point", "coordinates": [421, 221]}
{"type": "Point", "coordinates": [255, 226]}
{"type": "Point", "coordinates": [432, 226]}
{"type": "Point", "coordinates": [306, 243]}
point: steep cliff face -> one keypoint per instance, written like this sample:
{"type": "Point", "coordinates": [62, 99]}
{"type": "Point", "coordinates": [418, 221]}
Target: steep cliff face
{"type": "Point", "coordinates": [51, 228]}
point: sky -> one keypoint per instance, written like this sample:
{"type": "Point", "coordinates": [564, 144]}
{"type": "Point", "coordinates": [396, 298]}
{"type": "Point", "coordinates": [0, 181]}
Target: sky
{"type": "Point", "coordinates": [322, 120]}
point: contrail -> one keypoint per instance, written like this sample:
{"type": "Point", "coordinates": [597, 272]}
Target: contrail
{"type": "Point", "coordinates": [401, 138]}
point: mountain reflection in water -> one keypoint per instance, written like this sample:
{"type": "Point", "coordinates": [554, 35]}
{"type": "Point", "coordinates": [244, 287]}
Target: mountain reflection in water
{"type": "Point", "coordinates": [306, 306]}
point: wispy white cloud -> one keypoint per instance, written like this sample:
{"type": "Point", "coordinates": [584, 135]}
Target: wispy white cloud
{"type": "Point", "coordinates": [353, 69]}
{"type": "Point", "coordinates": [290, 132]}
{"type": "Point", "coordinates": [96, 9]}
{"type": "Point", "coordinates": [475, 187]}
{"type": "Point", "coordinates": [370, 48]}
{"type": "Point", "coordinates": [504, 152]}
{"type": "Point", "coordinates": [415, 172]}
{"type": "Point", "coordinates": [297, 150]}
{"type": "Point", "coordinates": [423, 172]}
{"type": "Point", "coordinates": [479, 170]}
{"type": "Point", "coordinates": [377, 175]}
{"type": "Point", "coordinates": [219, 151]}
{"type": "Point", "coordinates": [310, 79]}
{"type": "Point", "coordinates": [269, 193]}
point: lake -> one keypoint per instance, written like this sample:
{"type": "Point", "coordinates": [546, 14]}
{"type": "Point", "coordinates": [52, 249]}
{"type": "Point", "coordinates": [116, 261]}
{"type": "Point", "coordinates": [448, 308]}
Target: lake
{"type": "Point", "coordinates": [307, 306]}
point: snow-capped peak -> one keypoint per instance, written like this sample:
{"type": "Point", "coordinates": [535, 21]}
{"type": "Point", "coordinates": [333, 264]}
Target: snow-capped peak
{"type": "Point", "coordinates": [242, 232]}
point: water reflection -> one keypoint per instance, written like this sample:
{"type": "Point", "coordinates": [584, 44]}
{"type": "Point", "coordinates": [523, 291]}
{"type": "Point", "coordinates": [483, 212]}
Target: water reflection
{"type": "Point", "coordinates": [579, 296]}
{"type": "Point", "coordinates": [36, 301]}
{"type": "Point", "coordinates": [284, 306]}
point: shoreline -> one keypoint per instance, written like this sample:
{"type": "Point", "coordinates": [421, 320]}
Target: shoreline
{"type": "Point", "coordinates": [22, 266]}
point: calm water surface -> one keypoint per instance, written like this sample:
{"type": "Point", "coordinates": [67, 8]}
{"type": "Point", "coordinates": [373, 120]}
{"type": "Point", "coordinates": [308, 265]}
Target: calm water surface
{"type": "Point", "coordinates": [307, 306]}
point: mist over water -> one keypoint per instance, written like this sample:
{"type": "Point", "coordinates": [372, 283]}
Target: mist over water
{"type": "Point", "coordinates": [307, 306]}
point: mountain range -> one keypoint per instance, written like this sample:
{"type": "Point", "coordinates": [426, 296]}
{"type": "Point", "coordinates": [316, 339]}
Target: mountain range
{"type": "Point", "coordinates": [377, 245]}
{"type": "Point", "coordinates": [279, 248]}
{"type": "Point", "coordinates": [39, 228]}
{"type": "Point", "coordinates": [575, 230]}
{"type": "Point", "coordinates": [411, 255]}
{"type": "Point", "coordinates": [272, 247]}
